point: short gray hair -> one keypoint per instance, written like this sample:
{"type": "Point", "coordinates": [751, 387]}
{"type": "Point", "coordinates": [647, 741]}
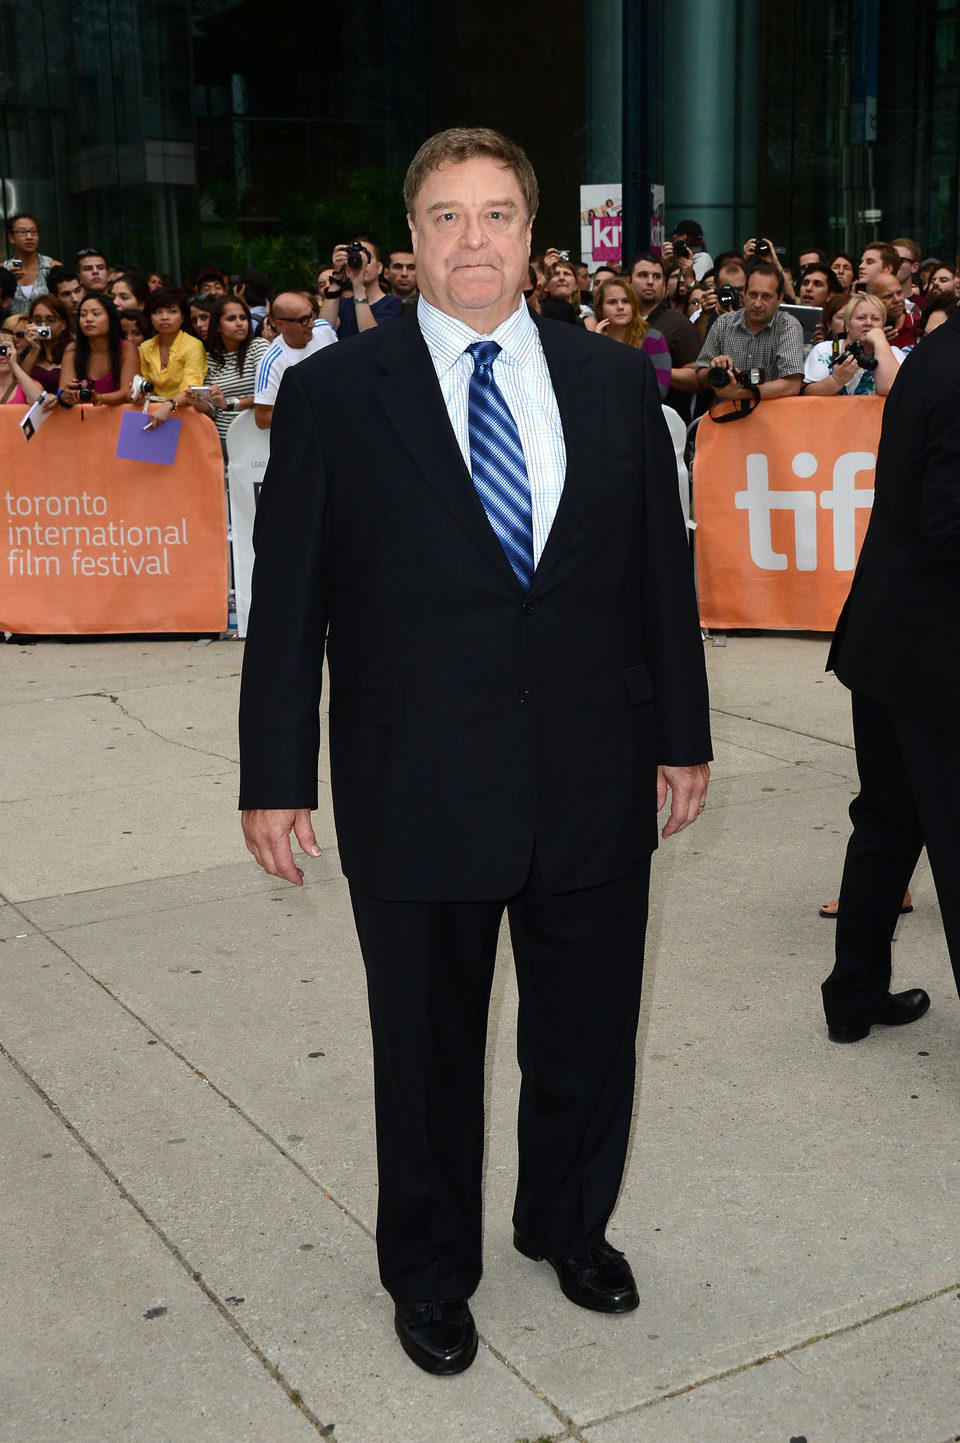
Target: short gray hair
{"type": "Point", "coordinates": [453, 147]}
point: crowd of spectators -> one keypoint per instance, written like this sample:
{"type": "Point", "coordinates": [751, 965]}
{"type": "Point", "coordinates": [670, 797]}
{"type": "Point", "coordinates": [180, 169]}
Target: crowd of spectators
{"type": "Point", "coordinates": [740, 328]}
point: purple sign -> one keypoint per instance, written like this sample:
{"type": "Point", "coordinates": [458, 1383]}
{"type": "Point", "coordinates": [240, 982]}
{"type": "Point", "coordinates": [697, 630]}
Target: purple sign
{"type": "Point", "coordinates": [137, 444]}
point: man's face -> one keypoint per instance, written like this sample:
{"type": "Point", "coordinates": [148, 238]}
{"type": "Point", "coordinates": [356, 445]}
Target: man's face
{"type": "Point", "coordinates": [942, 281]}
{"type": "Point", "coordinates": [293, 319]}
{"type": "Point", "coordinates": [888, 288]}
{"type": "Point", "coordinates": [471, 240]}
{"type": "Point", "coordinates": [814, 288]}
{"type": "Point", "coordinates": [808, 258]}
{"type": "Point", "coordinates": [71, 294]}
{"type": "Point", "coordinates": [402, 273]}
{"type": "Point", "coordinates": [908, 269]}
{"type": "Point", "coordinates": [871, 264]}
{"type": "Point", "coordinates": [761, 300]}
{"type": "Point", "coordinates": [647, 280]}
{"type": "Point", "coordinates": [92, 271]}
{"type": "Point", "coordinates": [213, 286]}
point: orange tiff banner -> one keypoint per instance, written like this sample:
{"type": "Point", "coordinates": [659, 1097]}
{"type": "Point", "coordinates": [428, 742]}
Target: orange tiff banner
{"type": "Point", "coordinates": [96, 543]}
{"type": "Point", "coordinates": [782, 498]}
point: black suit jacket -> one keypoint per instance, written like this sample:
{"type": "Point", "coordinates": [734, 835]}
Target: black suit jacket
{"type": "Point", "coordinates": [469, 722]}
{"type": "Point", "coordinates": [897, 633]}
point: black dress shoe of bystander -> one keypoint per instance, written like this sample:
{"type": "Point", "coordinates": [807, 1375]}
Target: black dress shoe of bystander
{"type": "Point", "coordinates": [897, 1009]}
{"type": "Point", "coordinates": [600, 1280]}
{"type": "Point", "coordinates": [440, 1337]}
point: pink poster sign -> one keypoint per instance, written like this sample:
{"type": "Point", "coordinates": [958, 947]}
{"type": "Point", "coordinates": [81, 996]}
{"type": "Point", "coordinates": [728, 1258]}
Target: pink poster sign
{"type": "Point", "coordinates": [605, 240]}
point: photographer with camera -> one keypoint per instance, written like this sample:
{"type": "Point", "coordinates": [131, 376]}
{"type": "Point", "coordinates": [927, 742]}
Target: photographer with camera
{"type": "Point", "coordinates": [756, 351]}
{"type": "Point", "coordinates": [724, 294]}
{"type": "Point", "coordinates": [49, 333]}
{"type": "Point", "coordinates": [687, 249]}
{"type": "Point", "coordinates": [353, 299]}
{"type": "Point", "coordinates": [16, 387]}
{"type": "Point", "coordinates": [99, 366]}
{"type": "Point", "coordinates": [860, 363]}
{"type": "Point", "coordinates": [762, 248]}
{"type": "Point", "coordinates": [27, 265]}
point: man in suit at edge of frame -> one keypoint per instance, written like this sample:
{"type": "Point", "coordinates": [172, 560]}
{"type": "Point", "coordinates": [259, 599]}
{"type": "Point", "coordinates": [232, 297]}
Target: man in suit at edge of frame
{"type": "Point", "coordinates": [489, 541]}
{"type": "Point", "coordinates": [893, 650]}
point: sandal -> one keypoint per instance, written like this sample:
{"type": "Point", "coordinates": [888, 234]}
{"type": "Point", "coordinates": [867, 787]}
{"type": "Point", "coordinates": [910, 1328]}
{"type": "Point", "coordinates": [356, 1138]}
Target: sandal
{"type": "Point", "coordinates": [830, 909]}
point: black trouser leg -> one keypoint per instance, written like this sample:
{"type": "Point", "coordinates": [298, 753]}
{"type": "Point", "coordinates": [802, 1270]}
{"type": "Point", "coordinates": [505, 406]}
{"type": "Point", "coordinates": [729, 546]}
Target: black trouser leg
{"type": "Point", "coordinates": [881, 856]}
{"type": "Point", "coordinates": [931, 756]}
{"type": "Point", "coordinates": [579, 961]}
{"type": "Point", "coordinates": [429, 970]}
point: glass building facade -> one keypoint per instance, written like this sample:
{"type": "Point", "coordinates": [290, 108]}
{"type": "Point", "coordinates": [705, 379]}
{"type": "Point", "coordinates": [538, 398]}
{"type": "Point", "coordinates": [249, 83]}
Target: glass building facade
{"type": "Point", "coordinates": [170, 134]}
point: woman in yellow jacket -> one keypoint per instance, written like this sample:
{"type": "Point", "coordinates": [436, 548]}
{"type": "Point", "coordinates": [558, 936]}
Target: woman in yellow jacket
{"type": "Point", "coordinates": [172, 359]}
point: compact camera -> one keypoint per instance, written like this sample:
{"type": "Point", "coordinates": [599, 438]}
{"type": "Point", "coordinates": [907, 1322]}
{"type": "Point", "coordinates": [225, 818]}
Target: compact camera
{"type": "Point", "coordinates": [141, 388]}
{"type": "Point", "coordinates": [356, 251]}
{"type": "Point", "coordinates": [5, 348]}
{"type": "Point", "coordinates": [44, 332]}
{"type": "Point", "coordinates": [563, 255]}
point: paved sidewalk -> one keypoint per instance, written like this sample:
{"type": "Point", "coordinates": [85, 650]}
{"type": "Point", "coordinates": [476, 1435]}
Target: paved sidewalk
{"type": "Point", "coordinates": [186, 1146]}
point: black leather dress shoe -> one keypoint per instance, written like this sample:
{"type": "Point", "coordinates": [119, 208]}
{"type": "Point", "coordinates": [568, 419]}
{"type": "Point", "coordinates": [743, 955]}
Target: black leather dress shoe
{"type": "Point", "coordinates": [896, 1009]}
{"type": "Point", "coordinates": [440, 1337]}
{"type": "Point", "coordinates": [600, 1280]}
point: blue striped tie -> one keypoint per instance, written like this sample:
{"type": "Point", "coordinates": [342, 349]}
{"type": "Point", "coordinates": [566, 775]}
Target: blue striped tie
{"type": "Point", "coordinates": [496, 459]}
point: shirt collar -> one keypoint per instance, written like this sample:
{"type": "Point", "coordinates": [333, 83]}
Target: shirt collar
{"type": "Point", "coordinates": [741, 316]}
{"type": "Point", "coordinates": [447, 338]}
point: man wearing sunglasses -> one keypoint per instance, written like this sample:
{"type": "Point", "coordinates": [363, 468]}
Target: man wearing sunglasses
{"type": "Point", "coordinates": [301, 334]}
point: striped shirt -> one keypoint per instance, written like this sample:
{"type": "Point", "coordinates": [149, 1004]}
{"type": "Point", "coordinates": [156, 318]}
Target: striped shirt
{"type": "Point", "coordinates": [521, 372]}
{"type": "Point", "coordinates": [279, 356]}
{"type": "Point", "coordinates": [233, 382]}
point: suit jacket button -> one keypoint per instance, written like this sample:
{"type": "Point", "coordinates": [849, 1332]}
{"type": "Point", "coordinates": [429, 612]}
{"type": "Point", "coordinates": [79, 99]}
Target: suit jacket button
{"type": "Point", "coordinates": [523, 696]}
{"type": "Point", "coordinates": [528, 606]}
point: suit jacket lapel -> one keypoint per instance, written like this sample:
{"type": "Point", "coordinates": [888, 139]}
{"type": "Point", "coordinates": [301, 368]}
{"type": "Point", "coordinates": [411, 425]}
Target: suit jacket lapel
{"type": "Point", "coordinates": [410, 395]}
{"type": "Point", "coordinates": [579, 393]}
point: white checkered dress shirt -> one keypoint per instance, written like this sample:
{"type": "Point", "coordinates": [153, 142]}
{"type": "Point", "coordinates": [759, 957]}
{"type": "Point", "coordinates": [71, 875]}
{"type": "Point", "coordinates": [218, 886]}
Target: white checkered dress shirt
{"type": "Point", "coordinates": [521, 372]}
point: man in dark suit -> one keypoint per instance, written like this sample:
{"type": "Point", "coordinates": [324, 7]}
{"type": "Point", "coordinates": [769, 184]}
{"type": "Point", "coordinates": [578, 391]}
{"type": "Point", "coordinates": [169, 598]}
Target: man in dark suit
{"type": "Point", "coordinates": [893, 649]}
{"type": "Point", "coordinates": [478, 515]}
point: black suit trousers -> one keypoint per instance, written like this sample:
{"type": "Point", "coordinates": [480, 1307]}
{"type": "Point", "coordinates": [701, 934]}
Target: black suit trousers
{"type": "Point", "coordinates": [429, 965]}
{"type": "Point", "coordinates": [909, 798]}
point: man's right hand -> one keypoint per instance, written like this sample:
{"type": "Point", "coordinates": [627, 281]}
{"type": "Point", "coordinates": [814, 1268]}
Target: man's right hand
{"type": "Point", "coordinates": [267, 834]}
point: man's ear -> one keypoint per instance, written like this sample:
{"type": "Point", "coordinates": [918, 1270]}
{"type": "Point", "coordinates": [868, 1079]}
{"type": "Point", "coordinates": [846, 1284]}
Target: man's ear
{"type": "Point", "coordinates": [413, 231]}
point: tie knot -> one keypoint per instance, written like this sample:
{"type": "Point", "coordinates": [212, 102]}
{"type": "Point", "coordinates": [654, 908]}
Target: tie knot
{"type": "Point", "coordinates": [484, 353]}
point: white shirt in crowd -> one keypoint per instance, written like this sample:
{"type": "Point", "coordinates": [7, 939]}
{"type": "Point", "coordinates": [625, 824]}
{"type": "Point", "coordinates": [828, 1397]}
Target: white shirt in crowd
{"type": "Point", "coordinates": [280, 356]}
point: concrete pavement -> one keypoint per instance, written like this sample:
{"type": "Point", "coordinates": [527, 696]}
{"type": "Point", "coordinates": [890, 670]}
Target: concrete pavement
{"type": "Point", "coordinates": [186, 1145]}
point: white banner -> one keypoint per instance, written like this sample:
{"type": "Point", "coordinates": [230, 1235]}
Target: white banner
{"type": "Point", "coordinates": [248, 450]}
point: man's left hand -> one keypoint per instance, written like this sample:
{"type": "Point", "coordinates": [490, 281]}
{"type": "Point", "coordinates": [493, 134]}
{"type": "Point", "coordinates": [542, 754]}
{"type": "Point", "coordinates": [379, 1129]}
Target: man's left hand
{"type": "Point", "coordinates": [688, 788]}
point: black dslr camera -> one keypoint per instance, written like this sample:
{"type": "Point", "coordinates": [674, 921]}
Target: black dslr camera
{"type": "Point", "coordinates": [85, 392]}
{"type": "Point", "coordinates": [863, 358]}
{"type": "Point", "coordinates": [356, 251]}
{"type": "Point", "coordinates": [761, 246]}
{"type": "Point", "coordinates": [728, 298]}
